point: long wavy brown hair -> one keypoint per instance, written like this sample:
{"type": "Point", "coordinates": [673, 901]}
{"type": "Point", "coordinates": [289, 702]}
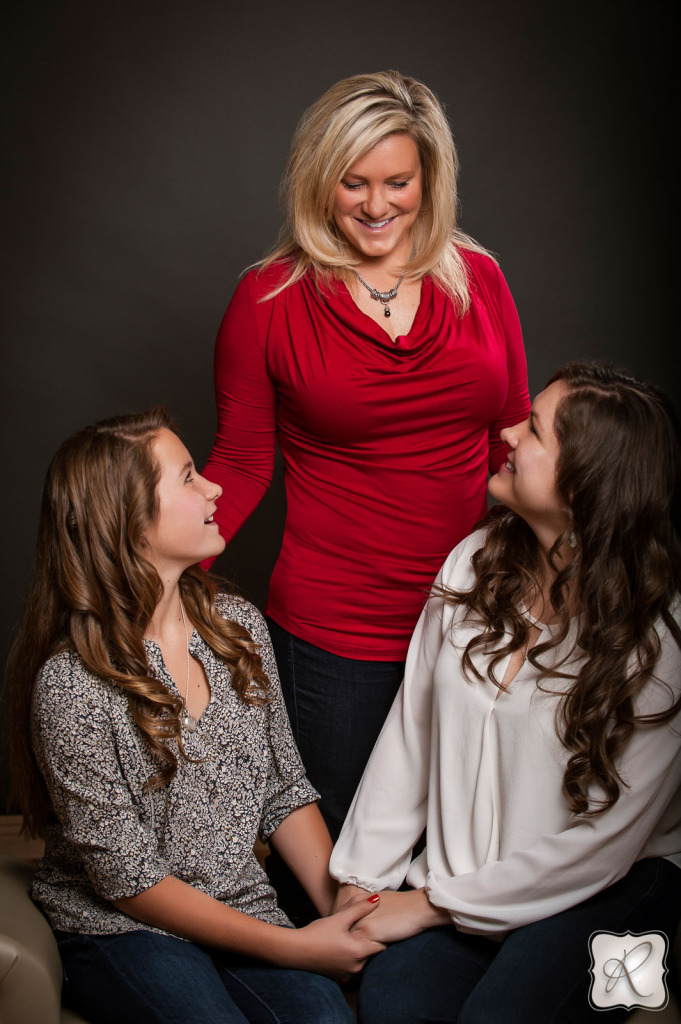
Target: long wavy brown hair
{"type": "Point", "coordinates": [619, 475]}
{"type": "Point", "coordinates": [94, 592]}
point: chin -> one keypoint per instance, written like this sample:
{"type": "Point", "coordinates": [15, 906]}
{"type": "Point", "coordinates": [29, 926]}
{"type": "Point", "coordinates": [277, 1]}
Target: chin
{"type": "Point", "coordinates": [495, 488]}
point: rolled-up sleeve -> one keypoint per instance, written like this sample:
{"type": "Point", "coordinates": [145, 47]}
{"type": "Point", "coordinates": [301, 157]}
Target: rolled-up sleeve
{"type": "Point", "coordinates": [287, 785]}
{"type": "Point", "coordinates": [75, 744]}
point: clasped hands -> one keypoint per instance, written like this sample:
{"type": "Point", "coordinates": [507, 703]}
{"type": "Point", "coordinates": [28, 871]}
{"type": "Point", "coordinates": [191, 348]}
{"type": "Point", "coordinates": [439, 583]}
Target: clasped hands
{"type": "Point", "coordinates": [397, 916]}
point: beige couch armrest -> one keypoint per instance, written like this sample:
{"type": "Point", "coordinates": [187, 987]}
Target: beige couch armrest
{"type": "Point", "coordinates": [30, 968]}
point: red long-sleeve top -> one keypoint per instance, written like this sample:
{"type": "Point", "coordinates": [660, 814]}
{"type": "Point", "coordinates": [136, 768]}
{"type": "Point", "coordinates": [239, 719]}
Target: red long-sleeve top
{"type": "Point", "coordinates": [386, 446]}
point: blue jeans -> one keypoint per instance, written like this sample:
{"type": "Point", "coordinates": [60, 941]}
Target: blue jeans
{"type": "Point", "coordinates": [146, 978]}
{"type": "Point", "coordinates": [337, 707]}
{"type": "Point", "coordinates": [538, 975]}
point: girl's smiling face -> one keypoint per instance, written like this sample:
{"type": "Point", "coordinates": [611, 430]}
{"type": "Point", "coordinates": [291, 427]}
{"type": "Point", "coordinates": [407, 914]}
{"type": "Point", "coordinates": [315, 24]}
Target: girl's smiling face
{"type": "Point", "coordinates": [184, 532]}
{"type": "Point", "coordinates": [378, 200]}
{"type": "Point", "coordinates": [527, 481]}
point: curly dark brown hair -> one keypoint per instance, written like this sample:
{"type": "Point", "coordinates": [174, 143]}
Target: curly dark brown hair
{"type": "Point", "coordinates": [94, 591]}
{"type": "Point", "coordinates": [619, 476]}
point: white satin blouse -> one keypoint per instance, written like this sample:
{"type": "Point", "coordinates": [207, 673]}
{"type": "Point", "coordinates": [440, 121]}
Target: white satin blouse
{"type": "Point", "coordinates": [482, 769]}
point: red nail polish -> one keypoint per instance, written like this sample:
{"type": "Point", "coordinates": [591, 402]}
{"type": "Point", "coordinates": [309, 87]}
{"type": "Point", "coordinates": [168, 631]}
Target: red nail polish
{"type": "Point", "coordinates": [374, 899]}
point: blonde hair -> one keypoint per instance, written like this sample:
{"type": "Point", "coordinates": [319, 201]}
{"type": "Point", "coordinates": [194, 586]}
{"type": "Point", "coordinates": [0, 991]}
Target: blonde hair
{"type": "Point", "coordinates": [336, 131]}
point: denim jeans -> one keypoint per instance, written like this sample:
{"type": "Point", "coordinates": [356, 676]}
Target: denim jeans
{"type": "Point", "coordinates": [337, 707]}
{"type": "Point", "coordinates": [538, 975]}
{"type": "Point", "coordinates": [146, 978]}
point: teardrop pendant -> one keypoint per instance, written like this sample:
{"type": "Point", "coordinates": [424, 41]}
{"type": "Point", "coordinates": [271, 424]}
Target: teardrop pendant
{"type": "Point", "coordinates": [386, 311]}
{"type": "Point", "coordinates": [188, 721]}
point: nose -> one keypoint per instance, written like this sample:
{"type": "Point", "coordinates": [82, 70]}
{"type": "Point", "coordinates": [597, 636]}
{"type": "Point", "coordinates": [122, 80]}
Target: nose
{"type": "Point", "coordinates": [510, 435]}
{"type": "Point", "coordinates": [375, 203]}
{"type": "Point", "coordinates": [212, 490]}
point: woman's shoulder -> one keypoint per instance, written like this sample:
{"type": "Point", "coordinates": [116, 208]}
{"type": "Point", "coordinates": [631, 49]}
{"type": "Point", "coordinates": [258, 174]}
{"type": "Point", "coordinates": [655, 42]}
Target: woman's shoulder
{"type": "Point", "coordinates": [457, 571]}
{"type": "Point", "coordinates": [65, 669]}
{"type": "Point", "coordinates": [481, 266]}
{"type": "Point", "coordinates": [260, 281]}
{"type": "Point", "coordinates": [238, 609]}
{"type": "Point", "coordinates": [66, 685]}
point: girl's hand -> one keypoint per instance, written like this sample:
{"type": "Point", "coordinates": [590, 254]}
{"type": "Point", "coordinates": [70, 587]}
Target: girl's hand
{"type": "Point", "coordinates": [331, 945]}
{"type": "Point", "coordinates": [399, 915]}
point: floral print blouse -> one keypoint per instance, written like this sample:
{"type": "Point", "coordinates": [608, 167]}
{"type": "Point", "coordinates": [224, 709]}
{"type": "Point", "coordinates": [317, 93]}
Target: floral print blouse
{"type": "Point", "coordinates": [112, 838]}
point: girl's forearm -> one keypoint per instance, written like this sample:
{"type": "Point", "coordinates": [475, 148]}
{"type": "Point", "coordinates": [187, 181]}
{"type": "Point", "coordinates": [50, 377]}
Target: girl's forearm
{"type": "Point", "coordinates": [179, 908]}
{"type": "Point", "coordinates": [304, 843]}
{"type": "Point", "coordinates": [328, 945]}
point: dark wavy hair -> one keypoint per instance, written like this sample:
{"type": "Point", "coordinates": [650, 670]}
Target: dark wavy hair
{"type": "Point", "coordinates": [94, 592]}
{"type": "Point", "coordinates": [619, 476]}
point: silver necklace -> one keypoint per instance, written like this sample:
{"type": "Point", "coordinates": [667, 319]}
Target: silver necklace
{"type": "Point", "coordinates": [188, 721]}
{"type": "Point", "coordinates": [384, 297]}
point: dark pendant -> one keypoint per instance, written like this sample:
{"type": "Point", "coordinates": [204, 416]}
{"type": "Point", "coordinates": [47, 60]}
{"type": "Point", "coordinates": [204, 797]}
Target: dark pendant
{"type": "Point", "coordinates": [386, 311]}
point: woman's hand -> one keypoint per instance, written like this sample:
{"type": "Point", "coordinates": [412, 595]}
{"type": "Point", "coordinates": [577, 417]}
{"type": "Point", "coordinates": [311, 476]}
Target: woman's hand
{"type": "Point", "coordinates": [346, 893]}
{"type": "Point", "coordinates": [332, 945]}
{"type": "Point", "coordinates": [399, 915]}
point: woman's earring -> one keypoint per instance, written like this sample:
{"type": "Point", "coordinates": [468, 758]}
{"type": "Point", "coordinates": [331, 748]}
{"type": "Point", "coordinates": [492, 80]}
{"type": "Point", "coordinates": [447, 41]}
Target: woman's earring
{"type": "Point", "coordinates": [572, 540]}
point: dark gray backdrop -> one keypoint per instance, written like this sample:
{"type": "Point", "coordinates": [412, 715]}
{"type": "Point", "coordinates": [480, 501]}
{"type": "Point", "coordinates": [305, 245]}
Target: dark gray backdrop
{"type": "Point", "coordinates": [142, 154]}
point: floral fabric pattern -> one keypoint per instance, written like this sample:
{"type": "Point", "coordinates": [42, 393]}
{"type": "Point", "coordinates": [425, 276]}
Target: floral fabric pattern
{"type": "Point", "coordinates": [112, 838]}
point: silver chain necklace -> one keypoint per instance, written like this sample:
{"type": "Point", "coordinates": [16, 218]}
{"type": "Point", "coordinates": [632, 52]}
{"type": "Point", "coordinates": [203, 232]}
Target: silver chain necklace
{"type": "Point", "coordinates": [188, 721]}
{"type": "Point", "coordinates": [384, 297]}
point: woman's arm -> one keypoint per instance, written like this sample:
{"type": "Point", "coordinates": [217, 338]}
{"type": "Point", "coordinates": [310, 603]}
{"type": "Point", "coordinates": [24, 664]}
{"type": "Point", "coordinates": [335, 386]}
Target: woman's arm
{"type": "Point", "coordinates": [559, 871]}
{"type": "Point", "coordinates": [388, 813]}
{"type": "Point", "coordinates": [327, 946]}
{"type": "Point", "coordinates": [517, 405]}
{"type": "Point", "coordinates": [399, 915]}
{"type": "Point", "coordinates": [242, 457]}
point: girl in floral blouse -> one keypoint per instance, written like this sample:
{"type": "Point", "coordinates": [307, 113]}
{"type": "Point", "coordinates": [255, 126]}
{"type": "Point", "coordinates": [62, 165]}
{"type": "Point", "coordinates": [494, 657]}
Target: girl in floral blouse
{"type": "Point", "coordinates": [159, 752]}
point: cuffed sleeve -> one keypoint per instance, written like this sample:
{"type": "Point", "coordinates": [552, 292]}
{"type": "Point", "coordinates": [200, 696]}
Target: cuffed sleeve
{"type": "Point", "coordinates": [98, 809]}
{"type": "Point", "coordinates": [287, 786]}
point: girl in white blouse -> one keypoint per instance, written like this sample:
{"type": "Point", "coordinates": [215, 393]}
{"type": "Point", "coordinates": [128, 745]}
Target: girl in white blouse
{"type": "Point", "coordinates": [537, 734]}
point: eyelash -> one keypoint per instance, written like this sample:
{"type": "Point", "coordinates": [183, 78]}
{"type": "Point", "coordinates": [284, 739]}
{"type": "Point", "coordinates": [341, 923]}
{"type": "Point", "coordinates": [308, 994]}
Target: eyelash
{"type": "Point", "coordinates": [353, 186]}
{"type": "Point", "coordinates": [188, 479]}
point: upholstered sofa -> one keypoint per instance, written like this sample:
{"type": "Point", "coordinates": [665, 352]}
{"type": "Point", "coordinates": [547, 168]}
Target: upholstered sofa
{"type": "Point", "coordinates": [30, 970]}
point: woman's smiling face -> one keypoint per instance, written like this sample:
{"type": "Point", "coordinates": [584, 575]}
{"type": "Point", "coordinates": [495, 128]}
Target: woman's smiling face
{"type": "Point", "coordinates": [378, 200]}
{"type": "Point", "coordinates": [527, 481]}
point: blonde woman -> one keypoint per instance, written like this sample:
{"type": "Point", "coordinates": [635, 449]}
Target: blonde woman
{"type": "Point", "coordinates": [380, 347]}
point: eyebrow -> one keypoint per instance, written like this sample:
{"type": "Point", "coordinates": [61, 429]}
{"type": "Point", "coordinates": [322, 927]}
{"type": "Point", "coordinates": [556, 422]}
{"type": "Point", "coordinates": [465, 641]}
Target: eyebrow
{"type": "Point", "coordinates": [535, 419]}
{"type": "Point", "coordinates": [391, 177]}
{"type": "Point", "coordinates": [185, 469]}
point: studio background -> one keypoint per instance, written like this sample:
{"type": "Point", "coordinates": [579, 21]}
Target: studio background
{"type": "Point", "coordinates": [142, 152]}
